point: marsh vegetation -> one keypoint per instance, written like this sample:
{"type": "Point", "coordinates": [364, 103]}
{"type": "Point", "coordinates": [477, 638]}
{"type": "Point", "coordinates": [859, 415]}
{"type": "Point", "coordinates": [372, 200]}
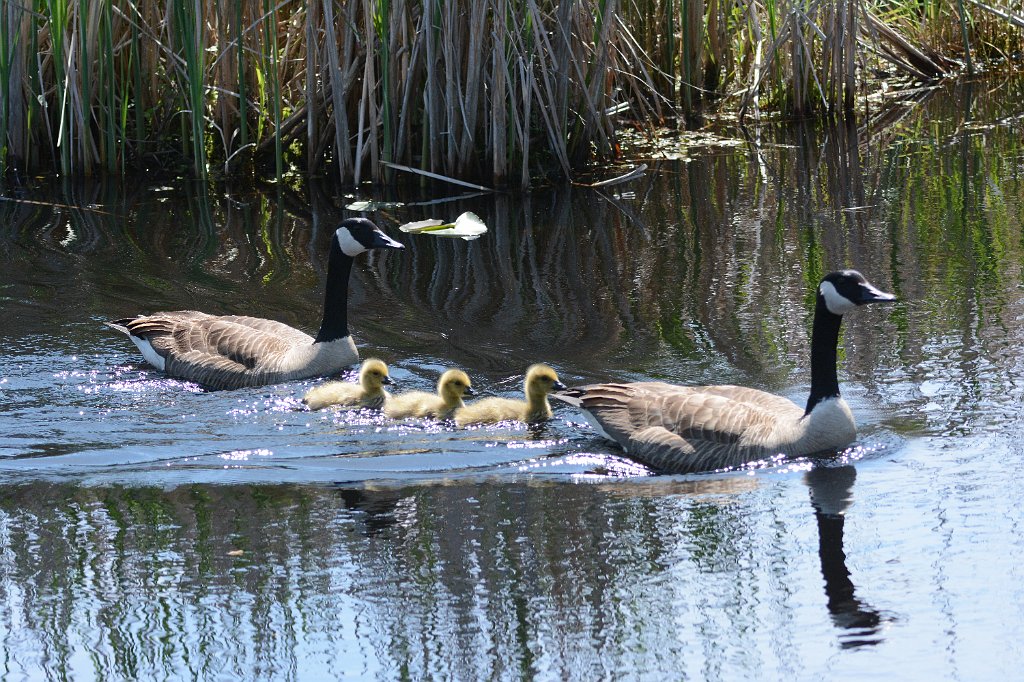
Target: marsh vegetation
{"type": "Point", "coordinates": [501, 92]}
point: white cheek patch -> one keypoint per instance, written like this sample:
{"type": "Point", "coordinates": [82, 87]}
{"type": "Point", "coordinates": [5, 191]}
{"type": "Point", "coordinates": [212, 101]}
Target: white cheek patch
{"type": "Point", "coordinates": [836, 303]}
{"type": "Point", "coordinates": [350, 246]}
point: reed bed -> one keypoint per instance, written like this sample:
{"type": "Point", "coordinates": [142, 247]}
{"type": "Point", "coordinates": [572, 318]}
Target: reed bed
{"type": "Point", "coordinates": [499, 92]}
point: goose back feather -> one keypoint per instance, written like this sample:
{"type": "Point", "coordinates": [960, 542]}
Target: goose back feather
{"type": "Point", "coordinates": [686, 429]}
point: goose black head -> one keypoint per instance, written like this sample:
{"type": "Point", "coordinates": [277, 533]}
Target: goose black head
{"type": "Point", "coordinates": [844, 290]}
{"type": "Point", "coordinates": [358, 235]}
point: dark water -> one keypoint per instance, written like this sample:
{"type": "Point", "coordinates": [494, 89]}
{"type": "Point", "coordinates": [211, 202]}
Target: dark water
{"type": "Point", "coordinates": [150, 530]}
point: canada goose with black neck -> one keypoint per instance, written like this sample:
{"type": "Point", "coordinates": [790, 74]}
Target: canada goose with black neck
{"type": "Point", "coordinates": [684, 429]}
{"type": "Point", "coordinates": [232, 351]}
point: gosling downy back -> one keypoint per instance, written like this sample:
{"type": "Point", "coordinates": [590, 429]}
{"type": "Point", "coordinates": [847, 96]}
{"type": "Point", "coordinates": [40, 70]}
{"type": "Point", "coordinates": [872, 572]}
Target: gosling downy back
{"type": "Point", "coordinates": [368, 391]}
{"type": "Point", "coordinates": [684, 429]}
{"type": "Point", "coordinates": [540, 381]}
{"type": "Point", "coordinates": [453, 385]}
{"type": "Point", "coordinates": [232, 351]}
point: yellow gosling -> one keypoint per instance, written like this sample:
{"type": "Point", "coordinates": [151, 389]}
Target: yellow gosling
{"type": "Point", "coordinates": [540, 381]}
{"type": "Point", "coordinates": [367, 392]}
{"type": "Point", "coordinates": [451, 387]}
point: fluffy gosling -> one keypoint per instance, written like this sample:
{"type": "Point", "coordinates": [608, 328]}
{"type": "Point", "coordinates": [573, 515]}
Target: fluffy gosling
{"type": "Point", "coordinates": [367, 392]}
{"type": "Point", "coordinates": [540, 381]}
{"type": "Point", "coordinates": [451, 387]}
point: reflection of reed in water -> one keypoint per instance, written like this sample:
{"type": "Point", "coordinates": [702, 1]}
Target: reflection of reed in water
{"type": "Point", "coordinates": [529, 284]}
{"type": "Point", "coordinates": [458, 580]}
{"type": "Point", "coordinates": [143, 249]}
{"type": "Point", "coordinates": [700, 258]}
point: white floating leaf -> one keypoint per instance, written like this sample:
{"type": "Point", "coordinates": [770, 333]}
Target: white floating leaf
{"type": "Point", "coordinates": [467, 226]}
{"type": "Point", "coordinates": [368, 205]}
{"type": "Point", "coordinates": [419, 225]}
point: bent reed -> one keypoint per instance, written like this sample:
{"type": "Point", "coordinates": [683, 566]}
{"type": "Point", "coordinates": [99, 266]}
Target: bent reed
{"type": "Point", "coordinates": [500, 92]}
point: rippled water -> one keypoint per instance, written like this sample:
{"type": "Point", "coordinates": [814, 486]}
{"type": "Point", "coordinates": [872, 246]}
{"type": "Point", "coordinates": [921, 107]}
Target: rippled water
{"type": "Point", "coordinates": [150, 529]}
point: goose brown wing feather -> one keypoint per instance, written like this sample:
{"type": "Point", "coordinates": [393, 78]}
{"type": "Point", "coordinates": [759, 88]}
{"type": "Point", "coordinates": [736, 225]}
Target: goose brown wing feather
{"type": "Point", "coordinates": [214, 371]}
{"type": "Point", "coordinates": [277, 330]}
{"type": "Point", "coordinates": [664, 450]}
{"type": "Point", "coordinates": [244, 344]}
{"type": "Point", "coordinates": [227, 328]}
{"type": "Point", "coordinates": [752, 396]}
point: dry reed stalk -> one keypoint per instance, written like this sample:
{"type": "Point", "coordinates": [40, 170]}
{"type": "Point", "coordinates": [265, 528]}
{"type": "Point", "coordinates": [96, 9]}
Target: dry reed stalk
{"type": "Point", "coordinates": [692, 49]}
{"type": "Point", "coordinates": [14, 46]}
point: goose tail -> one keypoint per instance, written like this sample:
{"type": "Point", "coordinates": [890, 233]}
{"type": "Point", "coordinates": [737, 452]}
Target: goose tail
{"type": "Point", "coordinates": [121, 325]}
{"type": "Point", "coordinates": [595, 395]}
{"type": "Point", "coordinates": [573, 396]}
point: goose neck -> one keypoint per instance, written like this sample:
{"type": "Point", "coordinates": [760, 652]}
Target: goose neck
{"type": "Point", "coordinates": [335, 320]}
{"type": "Point", "coordinates": [824, 342]}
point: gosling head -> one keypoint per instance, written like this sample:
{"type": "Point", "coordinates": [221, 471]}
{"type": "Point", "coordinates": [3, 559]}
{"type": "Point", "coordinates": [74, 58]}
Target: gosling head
{"type": "Point", "coordinates": [845, 290]}
{"type": "Point", "coordinates": [453, 385]}
{"type": "Point", "coordinates": [358, 235]}
{"type": "Point", "coordinates": [541, 380]}
{"type": "Point", "coordinates": [373, 375]}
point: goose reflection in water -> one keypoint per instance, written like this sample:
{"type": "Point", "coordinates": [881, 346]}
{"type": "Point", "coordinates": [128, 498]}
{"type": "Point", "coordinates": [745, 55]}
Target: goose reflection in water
{"type": "Point", "coordinates": [380, 509]}
{"type": "Point", "coordinates": [831, 491]}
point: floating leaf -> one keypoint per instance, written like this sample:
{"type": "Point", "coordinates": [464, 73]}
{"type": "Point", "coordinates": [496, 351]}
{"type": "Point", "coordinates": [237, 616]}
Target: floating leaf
{"type": "Point", "coordinates": [368, 205]}
{"type": "Point", "coordinates": [420, 225]}
{"type": "Point", "coordinates": [467, 226]}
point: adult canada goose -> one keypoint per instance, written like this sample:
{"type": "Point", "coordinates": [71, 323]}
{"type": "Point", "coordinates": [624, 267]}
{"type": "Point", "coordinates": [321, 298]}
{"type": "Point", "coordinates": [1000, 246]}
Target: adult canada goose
{"type": "Point", "coordinates": [451, 387]}
{"type": "Point", "coordinates": [540, 381]}
{"type": "Point", "coordinates": [368, 391]}
{"type": "Point", "coordinates": [686, 429]}
{"type": "Point", "coordinates": [231, 351]}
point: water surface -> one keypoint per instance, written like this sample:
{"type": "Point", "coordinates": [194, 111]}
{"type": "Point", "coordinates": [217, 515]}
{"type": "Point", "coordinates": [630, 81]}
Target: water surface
{"type": "Point", "coordinates": [150, 529]}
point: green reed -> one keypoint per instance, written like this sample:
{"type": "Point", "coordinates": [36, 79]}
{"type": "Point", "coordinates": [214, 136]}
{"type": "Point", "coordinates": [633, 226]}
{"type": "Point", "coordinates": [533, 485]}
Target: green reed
{"type": "Point", "coordinates": [271, 57]}
{"type": "Point", "coordinates": [190, 43]}
{"type": "Point", "coordinates": [9, 38]}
